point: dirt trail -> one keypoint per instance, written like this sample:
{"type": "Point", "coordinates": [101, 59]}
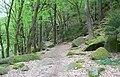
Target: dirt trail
{"type": "Point", "coordinates": [55, 61]}
{"type": "Point", "coordinates": [50, 66]}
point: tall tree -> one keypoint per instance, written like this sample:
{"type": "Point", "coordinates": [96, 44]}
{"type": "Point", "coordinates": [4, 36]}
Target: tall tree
{"type": "Point", "coordinates": [33, 28]}
{"type": "Point", "coordinates": [1, 43]}
{"type": "Point", "coordinates": [55, 28]}
{"type": "Point", "coordinates": [18, 27]}
{"type": "Point", "coordinates": [100, 10]}
{"type": "Point", "coordinates": [88, 20]}
{"type": "Point", "coordinates": [7, 29]}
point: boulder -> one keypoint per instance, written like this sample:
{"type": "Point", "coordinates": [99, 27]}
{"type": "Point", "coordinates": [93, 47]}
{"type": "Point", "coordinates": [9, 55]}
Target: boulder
{"type": "Point", "coordinates": [3, 70]}
{"type": "Point", "coordinates": [100, 53]}
{"type": "Point", "coordinates": [112, 44]}
{"type": "Point", "coordinates": [77, 42]}
{"type": "Point", "coordinates": [95, 43]}
{"type": "Point", "coordinates": [94, 71]}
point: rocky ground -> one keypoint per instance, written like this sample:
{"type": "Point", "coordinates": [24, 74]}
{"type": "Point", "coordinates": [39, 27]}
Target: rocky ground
{"type": "Point", "coordinates": [54, 64]}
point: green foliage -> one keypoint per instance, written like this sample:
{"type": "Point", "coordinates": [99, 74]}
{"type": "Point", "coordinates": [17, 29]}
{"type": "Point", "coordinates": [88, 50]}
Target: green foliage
{"type": "Point", "coordinates": [75, 31]}
{"type": "Point", "coordinates": [100, 53]}
{"type": "Point", "coordinates": [109, 61]}
{"type": "Point", "coordinates": [113, 26]}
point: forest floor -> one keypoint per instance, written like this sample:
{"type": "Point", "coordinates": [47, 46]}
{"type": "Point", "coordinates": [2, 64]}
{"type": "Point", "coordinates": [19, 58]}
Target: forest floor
{"type": "Point", "coordinates": [55, 61]}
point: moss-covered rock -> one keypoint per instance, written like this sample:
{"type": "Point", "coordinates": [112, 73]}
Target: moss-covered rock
{"type": "Point", "coordinates": [77, 42]}
{"type": "Point", "coordinates": [17, 66]}
{"type": "Point", "coordinates": [100, 53]}
{"type": "Point", "coordinates": [21, 58]}
{"type": "Point", "coordinates": [112, 44]}
{"type": "Point", "coordinates": [95, 71]}
{"type": "Point", "coordinates": [3, 70]}
{"type": "Point", "coordinates": [95, 43]}
{"type": "Point", "coordinates": [74, 48]}
{"type": "Point", "coordinates": [75, 53]}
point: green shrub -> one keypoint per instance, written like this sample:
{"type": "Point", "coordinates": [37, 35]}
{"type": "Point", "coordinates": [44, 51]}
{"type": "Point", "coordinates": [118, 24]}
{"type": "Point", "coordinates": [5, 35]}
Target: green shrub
{"type": "Point", "coordinates": [75, 31]}
{"type": "Point", "coordinates": [113, 26]}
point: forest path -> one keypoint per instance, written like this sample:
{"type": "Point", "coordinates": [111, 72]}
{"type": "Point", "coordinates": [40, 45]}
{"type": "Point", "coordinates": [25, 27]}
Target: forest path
{"type": "Point", "coordinates": [55, 61]}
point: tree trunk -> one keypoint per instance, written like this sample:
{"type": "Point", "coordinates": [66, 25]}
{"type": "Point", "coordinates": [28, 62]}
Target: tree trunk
{"type": "Point", "coordinates": [33, 28]}
{"type": "Point", "coordinates": [88, 20]}
{"type": "Point", "coordinates": [7, 30]}
{"type": "Point", "coordinates": [1, 43]}
{"type": "Point", "coordinates": [40, 36]}
{"type": "Point", "coordinates": [95, 9]}
{"type": "Point", "coordinates": [54, 28]}
{"type": "Point", "coordinates": [18, 28]}
{"type": "Point", "coordinates": [100, 10]}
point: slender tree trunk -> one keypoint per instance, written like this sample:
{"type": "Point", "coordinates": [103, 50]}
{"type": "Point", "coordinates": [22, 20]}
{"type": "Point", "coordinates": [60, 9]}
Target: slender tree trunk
{"type": "Point", "coordinates": [7, 30]}
{"type": "Point", "coordinates": [33, 28]}
{"type": "Point", "coordinates": [40, 36]}
{"type": "Point", "coordinates": [88, 20]}
{"type": "Point", "coordinates": [55, 28]}
{"type": "Point", "coordinates": [100, 10]}
{"type": "Point", "coordinates": [95, 9]}
{"type": "Point", "coordinates": [18, 28]}
{"type": "Point", "coordinates": [1, 43]}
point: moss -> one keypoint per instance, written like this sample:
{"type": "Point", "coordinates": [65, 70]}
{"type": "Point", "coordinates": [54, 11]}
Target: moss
{"type": "Point", "coordinates": [17, 66]}
{"type": "Point", "coordinates": [24, 58]}
{"type": "Point", "coordinates": [20, 58]}
{"type": "Point", "coordinates": [78, 66]}
{"type": "Point", "coordinates": [4, 65]}
{"type": "Point", "coordinates": [74, 48]}
{"type": "Point", "coordinates": [70, 53]}
{"type": "Point", "coordinates": [80, 61]}
{"type": "Point", "coordinates": [75, 53]}
{"type": "Point", "coordinates": [100, 53]}
{"type": "Point", "coordinates": [95, 43]}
